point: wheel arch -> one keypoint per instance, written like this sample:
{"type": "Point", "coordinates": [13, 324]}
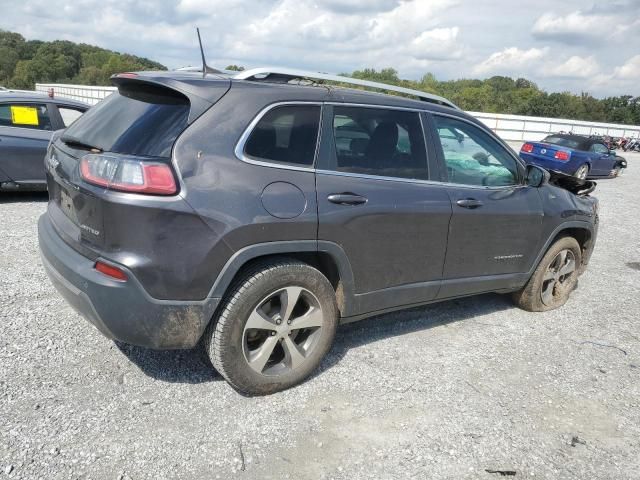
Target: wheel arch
{"type": "Point", "coordinates": [328, 257]}
{"type": "Point", "coordinates": [583, 232]}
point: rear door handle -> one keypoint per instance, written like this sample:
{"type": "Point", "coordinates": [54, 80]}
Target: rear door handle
{"type": "Point", "coordinates": [347, 199]}
{"type": "Point", "coordinates": [469, 203]}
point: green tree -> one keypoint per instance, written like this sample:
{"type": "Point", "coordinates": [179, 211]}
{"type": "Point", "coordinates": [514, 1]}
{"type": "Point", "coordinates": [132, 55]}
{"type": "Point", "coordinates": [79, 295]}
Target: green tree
{"type": "Point", "coordinates": [23, 63]}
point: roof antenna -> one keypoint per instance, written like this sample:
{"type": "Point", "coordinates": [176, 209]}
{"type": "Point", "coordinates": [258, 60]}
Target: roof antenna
{"type": "Point", "coordinates": [205, 68]}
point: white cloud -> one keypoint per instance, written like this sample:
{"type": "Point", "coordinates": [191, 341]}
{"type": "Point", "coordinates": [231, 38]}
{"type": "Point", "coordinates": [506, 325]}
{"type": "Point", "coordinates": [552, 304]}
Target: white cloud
{"type": "Point", "coordinates": [402, 36]}
{"type": "Point", "coordinates": [574, 67]}
{"type": "Point", "coordinates": [439, 43]}
{"type": "Point", "coordinates": [358, 6]}
{"type": "Point", "coordinates": [576, 24]}
{"type": "Point", "coordinates": [630, 70]}
{"type": "Point", "coordinates": [510, 61]}
{"type": "Point", "coordinates": [622, 80]}
{"type": "Point", "coordinates": [595, 26]}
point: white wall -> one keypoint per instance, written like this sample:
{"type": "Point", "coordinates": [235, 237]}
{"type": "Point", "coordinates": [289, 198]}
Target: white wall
{"type": "Point", "coordinates": [521, 128]}
{"type": "Point", "coordinates": [509, 127]}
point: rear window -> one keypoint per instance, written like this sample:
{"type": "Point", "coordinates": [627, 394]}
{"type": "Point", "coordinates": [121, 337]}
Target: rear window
{"type": "Point", "coordinates": [136, 120]}
{"type": "Point", "coordinates": [286, 134]}
{"type": "Point", "coordinates": [563, 141]}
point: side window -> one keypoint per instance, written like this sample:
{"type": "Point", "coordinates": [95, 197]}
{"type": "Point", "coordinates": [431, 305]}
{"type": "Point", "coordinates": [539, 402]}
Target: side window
{"type": "Point", "coordinates": [599, 148]}
{"type": "Point", "coordinates": [376, 141]}
{"type": "Point", "coordinates": [69, 115]}
{"type": "Point", "coordinates": [35, 116]}
{"type": "Point", "coordinates": [286, 134]}
{"type": "Point", "coordinates": [472, 157]}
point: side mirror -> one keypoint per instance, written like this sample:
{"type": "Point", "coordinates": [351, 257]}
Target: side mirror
{"type": "Point", "coordinates": [612, 153]}
{"type": "Point", "coordinates": [536, 176]}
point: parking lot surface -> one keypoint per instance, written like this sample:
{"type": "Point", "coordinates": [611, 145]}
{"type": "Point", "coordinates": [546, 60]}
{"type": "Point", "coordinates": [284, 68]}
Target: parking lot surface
{"type": "Point", "coordinates": [472, 388]}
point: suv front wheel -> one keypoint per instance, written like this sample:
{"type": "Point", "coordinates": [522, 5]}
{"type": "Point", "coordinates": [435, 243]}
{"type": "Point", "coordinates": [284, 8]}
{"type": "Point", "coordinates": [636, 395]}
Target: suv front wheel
{"type": "Point", "coordinates": [274, 327]}
{"type": "Point", "coordinates": [554, 279]}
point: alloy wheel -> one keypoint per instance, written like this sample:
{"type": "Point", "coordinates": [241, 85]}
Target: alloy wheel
{"type": "Point", "coordinates": [582, 172]}
{"type": "Point", "coordinates": [557, 277]}
{"type": "Point", "coordinates": [282, 331]}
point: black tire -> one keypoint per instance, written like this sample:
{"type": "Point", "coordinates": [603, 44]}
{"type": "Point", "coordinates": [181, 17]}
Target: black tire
{"type": "Point", "coordinates": [531, 297]}
{"type": "Point", "coordinates": [226, 341]}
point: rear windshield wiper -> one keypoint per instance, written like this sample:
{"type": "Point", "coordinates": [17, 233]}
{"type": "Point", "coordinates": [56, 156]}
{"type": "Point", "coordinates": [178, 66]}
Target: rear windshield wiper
{"type": "Point", "coordinates": [74, 143]}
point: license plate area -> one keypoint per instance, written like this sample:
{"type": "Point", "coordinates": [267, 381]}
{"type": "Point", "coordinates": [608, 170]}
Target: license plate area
{"type": "Point", "coordinates": [83, 210]}
{"type": "Point", "coordinates": [66, 205]}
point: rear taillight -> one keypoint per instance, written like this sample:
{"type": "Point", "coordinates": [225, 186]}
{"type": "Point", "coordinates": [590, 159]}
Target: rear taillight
{"type": "Point", "coordinates": [527, 148]}
{"type": "Point", "coordinates": [560, 155]}
{"type": "Point", "coordinates": [111, 271]}
{"type": "Point", "coordinates": [128, 174]}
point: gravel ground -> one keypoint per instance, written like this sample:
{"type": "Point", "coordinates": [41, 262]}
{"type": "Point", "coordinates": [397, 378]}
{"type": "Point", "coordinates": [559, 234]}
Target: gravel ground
{"type": "Point", "coordinates": [453, 390]}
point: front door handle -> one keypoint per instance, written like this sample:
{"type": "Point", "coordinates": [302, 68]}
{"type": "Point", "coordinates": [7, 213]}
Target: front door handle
{"type": "Point", "coordinates": [469, 203]}
{"type": "Point", "coordinates": [347, 199]}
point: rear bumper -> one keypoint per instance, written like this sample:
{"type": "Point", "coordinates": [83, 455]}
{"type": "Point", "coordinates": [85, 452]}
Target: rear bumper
{"type": "Point", "coordinates": [122, 311]}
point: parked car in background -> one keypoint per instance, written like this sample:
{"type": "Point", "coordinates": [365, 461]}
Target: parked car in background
{"type": "Point", "coordinates": [27, 121]}
{"type": "Point", "coordinates": [577, 155]}
{"type": "Point", "coordinates": [217, 212]}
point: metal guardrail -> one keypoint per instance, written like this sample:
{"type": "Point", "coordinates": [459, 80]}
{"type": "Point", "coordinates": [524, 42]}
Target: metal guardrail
{"type": "Point", "coordinates": [510, 127]}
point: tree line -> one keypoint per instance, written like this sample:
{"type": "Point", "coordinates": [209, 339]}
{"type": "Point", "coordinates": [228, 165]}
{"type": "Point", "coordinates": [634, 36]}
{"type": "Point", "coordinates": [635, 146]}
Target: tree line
{"type": "Point", "coordinates": [517, 97]}
{"type": "Point", "coordinates": [25, 62]}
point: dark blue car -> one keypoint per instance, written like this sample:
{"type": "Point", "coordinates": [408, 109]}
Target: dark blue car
{"type": "Point", "coordinates": [575, 155]}
{"type": "Point", "coordinates": [27, 121]}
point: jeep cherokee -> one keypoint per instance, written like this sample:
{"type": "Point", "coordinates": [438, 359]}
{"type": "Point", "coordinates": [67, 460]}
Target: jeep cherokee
{"type": "Point", "coordinates": [249, 215]}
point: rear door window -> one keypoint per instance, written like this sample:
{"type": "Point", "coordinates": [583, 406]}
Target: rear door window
{"type": "Point", "coordinates": [137, 120]}
{"type": "Point", "coordinates": [25, 115]}
{"type": "Point", "coordinates": [69, 115]}
{"type": "Point", "coordinates": [381, 142]}
{"type": "Point", "coordinates": [286, 134]}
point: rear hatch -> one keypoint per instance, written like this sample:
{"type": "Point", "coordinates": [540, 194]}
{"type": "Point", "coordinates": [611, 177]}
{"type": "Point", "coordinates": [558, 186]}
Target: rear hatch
{"type": "Point", "coordinates": [139, 123]}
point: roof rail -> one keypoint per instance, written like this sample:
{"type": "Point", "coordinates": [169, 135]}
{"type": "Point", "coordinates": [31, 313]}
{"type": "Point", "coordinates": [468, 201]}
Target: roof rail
{"type": "Point", "coordinates": [291, 73]}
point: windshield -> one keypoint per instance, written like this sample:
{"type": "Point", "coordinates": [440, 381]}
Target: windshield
{"type": "Point", "coordinates": [136, 120]}
{"type": "Point", "coordinates": [562, 141]}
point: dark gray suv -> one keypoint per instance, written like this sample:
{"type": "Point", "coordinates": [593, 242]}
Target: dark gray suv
{"type": "Point", "coordinates": [250, 215]}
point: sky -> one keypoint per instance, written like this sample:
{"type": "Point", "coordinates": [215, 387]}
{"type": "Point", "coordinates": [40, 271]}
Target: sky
{"type": "Point", "coordinates": [571, 45]}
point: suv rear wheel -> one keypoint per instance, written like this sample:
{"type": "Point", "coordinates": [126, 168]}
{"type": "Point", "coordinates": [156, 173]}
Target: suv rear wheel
{"type": "Point", "coordinates": [554, 279]}
{"type": "Point", "coordinates": [274, 327]}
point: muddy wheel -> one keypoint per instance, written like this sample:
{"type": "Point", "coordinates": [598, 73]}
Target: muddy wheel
{"type": "Point", "coordinates": [274, 328]}
{"type": "Point", "coordinates": [555, 278]}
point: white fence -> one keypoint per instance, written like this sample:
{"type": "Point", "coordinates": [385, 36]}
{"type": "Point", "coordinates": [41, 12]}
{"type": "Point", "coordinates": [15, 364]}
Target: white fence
{"type": "Point", "coordinates": [84, 93]}
{"type": "Point", "coordinates": [509, 127]}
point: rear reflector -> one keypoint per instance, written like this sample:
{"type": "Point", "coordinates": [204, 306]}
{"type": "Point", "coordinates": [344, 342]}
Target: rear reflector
{"type": "Point", "coordinates": [128, 174]}
{"type": "Point", "coordinates": [527, 148]}
{"type": "Point", "coordinates": [560, 155]}
{"type": "Point", "coordinates": [111, 271]}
